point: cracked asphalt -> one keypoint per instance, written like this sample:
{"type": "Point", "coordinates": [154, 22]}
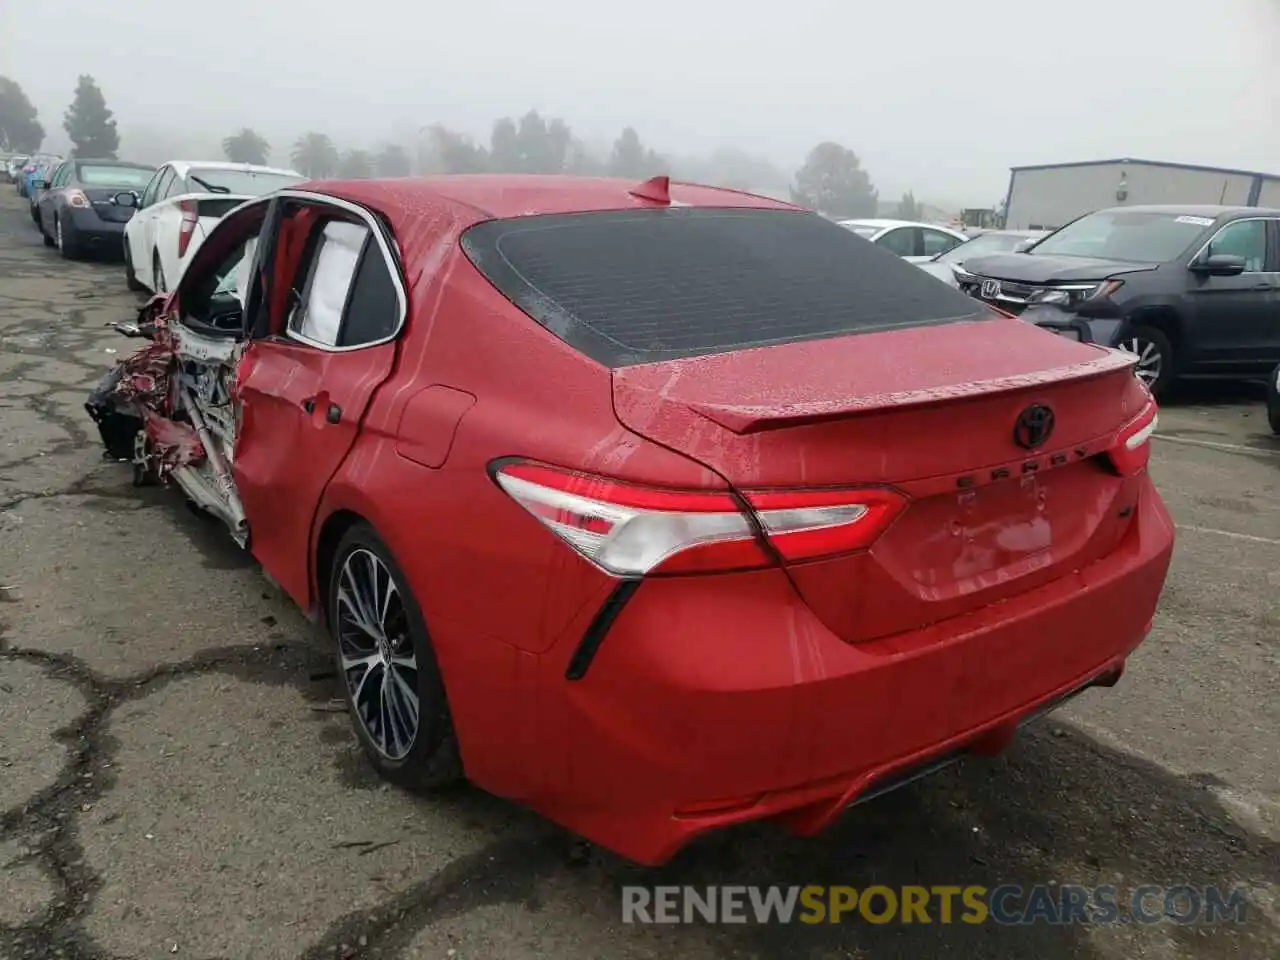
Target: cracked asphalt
{"type": "Point", "coordinates": [173, 781]}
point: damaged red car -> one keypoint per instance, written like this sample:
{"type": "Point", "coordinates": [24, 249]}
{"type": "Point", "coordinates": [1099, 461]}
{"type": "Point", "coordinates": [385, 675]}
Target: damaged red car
{"type": "Point", "coordinates": [655, 507]}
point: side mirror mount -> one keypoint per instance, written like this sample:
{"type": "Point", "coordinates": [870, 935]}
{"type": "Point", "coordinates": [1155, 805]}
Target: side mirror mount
{"type": "Point", "coordinates": [125, 198]}
{"type": "Point", "coordinates": [1220, 265]}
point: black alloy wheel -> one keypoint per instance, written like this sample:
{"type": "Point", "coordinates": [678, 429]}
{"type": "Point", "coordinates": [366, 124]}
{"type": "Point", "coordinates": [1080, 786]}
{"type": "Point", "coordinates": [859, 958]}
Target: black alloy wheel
{"type": "Point", "coordinates": [387, 667]}
{"type": "Point", "coordinates": [1155, 357]}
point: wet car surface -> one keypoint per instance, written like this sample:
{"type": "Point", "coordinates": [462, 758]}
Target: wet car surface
{"type": "Point", "coordinates": [173, 779]}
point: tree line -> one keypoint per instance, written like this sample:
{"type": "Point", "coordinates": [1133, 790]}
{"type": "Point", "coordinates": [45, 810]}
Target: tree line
{"type": "Point", "coordinates": [88, 122]}
{"type": "Point", "coordinates": [530, 144]}
{"type": "Point", "coordinates": [832, 179]}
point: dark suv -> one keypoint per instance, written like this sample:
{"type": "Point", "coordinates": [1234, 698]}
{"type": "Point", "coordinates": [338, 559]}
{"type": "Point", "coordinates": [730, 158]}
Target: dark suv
{"type": "Point", "coordinates": [1193, 291]}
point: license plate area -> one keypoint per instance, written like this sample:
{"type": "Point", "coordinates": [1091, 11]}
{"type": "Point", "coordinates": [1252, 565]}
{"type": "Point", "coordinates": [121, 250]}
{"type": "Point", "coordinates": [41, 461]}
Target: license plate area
{"type": "Point", "coordinates": [968, 541]}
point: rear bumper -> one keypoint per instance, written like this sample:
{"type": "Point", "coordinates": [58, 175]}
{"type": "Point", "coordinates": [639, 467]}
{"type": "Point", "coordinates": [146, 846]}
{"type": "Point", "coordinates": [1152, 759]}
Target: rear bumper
{"type": "Point", "coordinates": [92, 230]}
{"type": "Point", "coordinates": [714, 703]}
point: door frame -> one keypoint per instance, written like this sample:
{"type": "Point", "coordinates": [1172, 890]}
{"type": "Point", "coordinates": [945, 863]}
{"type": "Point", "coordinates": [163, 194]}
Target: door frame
{"type": "Point", "coordinates": [266, 331]}
{"type": "Point", "coordinates": [379, 232]}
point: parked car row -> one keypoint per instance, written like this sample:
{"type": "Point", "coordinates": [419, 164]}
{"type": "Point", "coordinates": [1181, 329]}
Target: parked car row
{"type": "Point", "coordinates": [154, 218]}
{"type": "Point", "coordinates": [31, 168]}
{"type": "Point", "coordinates": [74, 208]}
{"type": "Point", "coordinates": [11, 166]}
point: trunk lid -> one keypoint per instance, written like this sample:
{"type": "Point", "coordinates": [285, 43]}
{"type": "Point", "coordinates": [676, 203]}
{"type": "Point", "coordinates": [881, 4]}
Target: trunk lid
{"type": "Point", "coordinates": [101, 199]}
{"type": "Point", "coordinates": [930, 411]}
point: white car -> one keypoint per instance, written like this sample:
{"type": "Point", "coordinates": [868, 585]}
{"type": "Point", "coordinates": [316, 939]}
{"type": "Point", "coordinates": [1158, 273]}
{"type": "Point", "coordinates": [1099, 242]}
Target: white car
{"type": "Point", "coordinates": [989, 242]}
{"type": "Point", "coordinates": [915, 242]}
{"type": "Point", "coordinates": [177, 209]}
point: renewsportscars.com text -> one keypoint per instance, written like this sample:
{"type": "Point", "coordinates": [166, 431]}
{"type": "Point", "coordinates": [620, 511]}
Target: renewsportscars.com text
{"type": "Point", "coordinates": [1055, 904]}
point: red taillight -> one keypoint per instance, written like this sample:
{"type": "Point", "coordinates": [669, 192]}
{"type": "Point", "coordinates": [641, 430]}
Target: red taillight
{"type": "Point", "coordinates": [630, 530]}
{"type": "Point", "coordinates": [190, 217]}
{"type": "Point", "coordinates": [804, 525]}
{"type": "Point", "coordinates": [77, 198]}
{"type": "Point", "coordinates": [1132, 448]}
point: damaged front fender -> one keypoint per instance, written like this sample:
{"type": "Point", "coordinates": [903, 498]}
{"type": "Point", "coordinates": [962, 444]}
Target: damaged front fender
{"type": "Point", "coordinates": [167, 410]}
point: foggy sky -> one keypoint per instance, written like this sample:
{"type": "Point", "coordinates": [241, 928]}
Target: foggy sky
{"type": "Point", "coordinates": [938, 96]}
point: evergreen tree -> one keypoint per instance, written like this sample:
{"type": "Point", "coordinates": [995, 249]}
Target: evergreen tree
{"type": "Point", "coordinates": [89, 123]}
{"type": "Point", "coordinates": [19, 129]}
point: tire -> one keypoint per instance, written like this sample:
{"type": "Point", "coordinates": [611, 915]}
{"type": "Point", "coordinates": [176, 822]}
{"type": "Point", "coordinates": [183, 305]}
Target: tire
{"type": "Point", "coordinates": [1155, 357]}
{"type": "Point", "coordinates": [431, 759]}
{"type": "Point", "coordinates": [48, 240]}
{"type": "Point", "coordinates": [35, 215]}
{"type": "Point", "coordinates": [66, 241]}
{"type": "Point", "coordinates": [1273, 400]}
{"type": "Point", "coordinates": [157, 274]}
{"type": "Point", "coordinates": [130, 278]}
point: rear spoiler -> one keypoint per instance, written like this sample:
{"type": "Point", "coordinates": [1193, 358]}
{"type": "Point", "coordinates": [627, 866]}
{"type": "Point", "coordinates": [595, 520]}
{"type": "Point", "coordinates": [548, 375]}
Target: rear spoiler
{"type": "Point", "coordinates": [746, 419]}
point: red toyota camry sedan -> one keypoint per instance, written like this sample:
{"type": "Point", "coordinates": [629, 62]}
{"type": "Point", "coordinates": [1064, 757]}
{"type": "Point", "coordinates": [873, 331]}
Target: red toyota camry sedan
{"type": "Point", "coordinates": [655, 507]}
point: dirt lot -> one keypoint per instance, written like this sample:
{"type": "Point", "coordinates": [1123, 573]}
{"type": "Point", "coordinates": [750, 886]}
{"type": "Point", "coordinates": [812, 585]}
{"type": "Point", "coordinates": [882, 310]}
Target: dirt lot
{"type": "Point", "coordinates": [172, 784]}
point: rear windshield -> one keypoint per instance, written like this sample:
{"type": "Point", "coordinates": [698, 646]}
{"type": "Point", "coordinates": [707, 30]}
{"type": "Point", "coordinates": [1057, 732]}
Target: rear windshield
{"type": "Point", "coordinates": [253, 183]}
{"type": "Point", "coordinates": [110, 175]}
{"type": "Point", "coordinates": [633, 287]}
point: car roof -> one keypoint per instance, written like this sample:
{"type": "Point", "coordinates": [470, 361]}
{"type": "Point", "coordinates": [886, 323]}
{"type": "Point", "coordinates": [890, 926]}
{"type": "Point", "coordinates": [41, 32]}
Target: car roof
{"type": "Point", "coordinates": [500, 196]}
{"type": "Point", "coordinates": [881, 223]}
{"type": "Point", "coordinates": [1207, 210]}
{"type": "Point", "coordinates": [874, 222]}
{"type": "Point", "coordinates": [183, 167]}
{"type": "Point", "coordinates": [1010, 233]}
{"type": "Point", "coordinates": [108, 163]}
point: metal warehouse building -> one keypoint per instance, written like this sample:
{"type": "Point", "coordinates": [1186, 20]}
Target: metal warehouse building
{"type": "Point", "coordinates": [1046, 197]}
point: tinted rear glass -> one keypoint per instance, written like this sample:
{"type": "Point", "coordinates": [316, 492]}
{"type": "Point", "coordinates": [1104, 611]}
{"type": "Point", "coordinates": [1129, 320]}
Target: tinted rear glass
{"type": "Point", "coordinates": [634, 287]}
{"type": "Point", "coordinates": [253, 183]}
{"type": "Point", "coordinates": [110, 175]}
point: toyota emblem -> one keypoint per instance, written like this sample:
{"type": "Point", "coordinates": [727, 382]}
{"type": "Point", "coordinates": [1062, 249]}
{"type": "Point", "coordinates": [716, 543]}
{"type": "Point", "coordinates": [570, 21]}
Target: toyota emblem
{"type": "Point", "coordinates": [991, 289]}
{"type": "Point", "coordinates": [1034, 426]}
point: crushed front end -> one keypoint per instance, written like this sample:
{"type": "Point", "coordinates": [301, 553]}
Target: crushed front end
{"type": "Point", "coordinates": [168, 409]}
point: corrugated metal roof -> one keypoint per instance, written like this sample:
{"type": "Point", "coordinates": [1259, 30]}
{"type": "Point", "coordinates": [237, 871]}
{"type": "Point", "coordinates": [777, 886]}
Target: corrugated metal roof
{"type": "Point", "coordinates": [1149, 163]}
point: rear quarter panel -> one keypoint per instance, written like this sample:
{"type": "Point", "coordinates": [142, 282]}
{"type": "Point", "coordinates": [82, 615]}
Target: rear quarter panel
{"type": "Point", "coordinates": [496, 588]}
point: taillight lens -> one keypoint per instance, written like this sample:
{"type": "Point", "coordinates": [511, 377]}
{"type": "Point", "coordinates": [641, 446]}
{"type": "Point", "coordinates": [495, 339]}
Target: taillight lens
{"type": "Point", "coordinates": [630, 530]}
{"type": "Point", "coordinates": [190, 217]}
{"type": "Point", "coordinates": [77, 198]}
{"type": "Point", "coordinates": [1131, 451]}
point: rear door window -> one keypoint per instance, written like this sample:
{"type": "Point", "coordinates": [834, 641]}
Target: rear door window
{"type": "Point", "coordinates": [936, 242]}
{"type": "Point", "coordinates": [904, 241]}
{"type": "Point", "coordinates": [629, 287]}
